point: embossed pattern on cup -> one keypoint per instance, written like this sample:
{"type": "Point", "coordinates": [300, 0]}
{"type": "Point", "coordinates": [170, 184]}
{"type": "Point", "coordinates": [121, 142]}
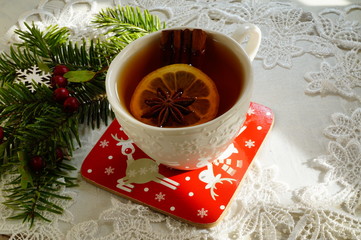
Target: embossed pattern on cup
{"type": "Point", "coordinates": [187, 147]}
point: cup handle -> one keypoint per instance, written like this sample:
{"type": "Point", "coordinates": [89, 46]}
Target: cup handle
{"type": "Point", "coordinates": [254, 33]}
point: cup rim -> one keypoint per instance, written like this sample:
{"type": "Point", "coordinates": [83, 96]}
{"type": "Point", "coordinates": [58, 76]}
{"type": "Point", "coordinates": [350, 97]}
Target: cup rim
{"type": "Point", "coordinates": [113, 72]}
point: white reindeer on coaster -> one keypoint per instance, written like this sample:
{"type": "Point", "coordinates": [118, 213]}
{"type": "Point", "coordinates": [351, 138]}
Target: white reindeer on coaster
{"type": "Point", "coordinates": [207, 176]}
{"type": "Point", "coordinates": [224, 161]}
{"type": "Point", "coordinates": [141, 170]}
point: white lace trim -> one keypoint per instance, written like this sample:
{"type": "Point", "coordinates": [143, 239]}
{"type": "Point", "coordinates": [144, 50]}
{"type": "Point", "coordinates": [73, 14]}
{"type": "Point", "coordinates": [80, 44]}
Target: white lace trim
{"type": "Point", "coordinates": [328, 210]}
{"type": "Point", "coordinates": [340, 78]}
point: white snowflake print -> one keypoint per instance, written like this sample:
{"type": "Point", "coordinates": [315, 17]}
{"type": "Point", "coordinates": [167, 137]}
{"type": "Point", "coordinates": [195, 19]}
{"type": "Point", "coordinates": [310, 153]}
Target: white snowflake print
{"type": "Point", "coordinates": [250, 111]}
{"type": "Point", "coordinates": [143, 171]}
{"type": "Point", "coordinates": [104, 143]}
{"type": "Point", "coordinates": [33, 74]}
{"type": "Point", "coordinates": [132, 173]}
{"type": "Point", "coordinates": [249, 143]}
{"type": "Point", "coordinates": [160, 196]}
{"type": "Point", "coordinates": [109, 170]}
{"type": "Point", "coordinates": [202, 213]}
{"type": "Point", "coordinates": [153, 169]}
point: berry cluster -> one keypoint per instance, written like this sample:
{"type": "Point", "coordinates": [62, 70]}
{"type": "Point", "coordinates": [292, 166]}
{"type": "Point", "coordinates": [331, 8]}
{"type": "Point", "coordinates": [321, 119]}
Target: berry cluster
{"type": "Point", "coordinates": [70, 105]}
{"type": "Point", "coordinates": [61, 93]}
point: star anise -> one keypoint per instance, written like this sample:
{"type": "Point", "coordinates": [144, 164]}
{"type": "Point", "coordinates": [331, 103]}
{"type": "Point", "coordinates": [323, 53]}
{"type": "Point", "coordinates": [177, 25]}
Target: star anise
{"type": "Point", "coordinates": [167, 106]}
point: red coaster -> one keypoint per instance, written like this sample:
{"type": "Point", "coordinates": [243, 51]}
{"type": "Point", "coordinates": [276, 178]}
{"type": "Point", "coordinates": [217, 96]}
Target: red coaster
{"type": "Point", "coordinates": [199, 197]}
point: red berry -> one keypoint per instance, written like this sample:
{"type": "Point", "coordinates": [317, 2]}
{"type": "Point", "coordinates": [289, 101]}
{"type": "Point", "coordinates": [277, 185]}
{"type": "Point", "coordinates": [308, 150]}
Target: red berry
{"type": "Point", "coordinates": [37, 164]}
{"type": "Point", "coordinates": [71, 104]}
{"type": "Point", "coordinates": [60, 70]}
{"type": "Point", "coordinates": [1, 134]}
{"type": "Point", "coordinates": [59, 154]}
{"type": "Point", "coordinates": [60, 94]}
{"type": "Point", "coordinates": [59, 81]}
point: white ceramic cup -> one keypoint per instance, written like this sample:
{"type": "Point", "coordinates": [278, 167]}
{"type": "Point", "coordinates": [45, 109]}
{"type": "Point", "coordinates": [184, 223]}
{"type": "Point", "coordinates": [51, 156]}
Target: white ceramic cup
{"type": "Point", "coordinates": [190, 147]}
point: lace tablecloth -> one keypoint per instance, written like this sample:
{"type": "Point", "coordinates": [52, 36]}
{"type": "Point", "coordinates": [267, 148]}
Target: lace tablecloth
{"type": "Point", "coordinates": [306, 180]}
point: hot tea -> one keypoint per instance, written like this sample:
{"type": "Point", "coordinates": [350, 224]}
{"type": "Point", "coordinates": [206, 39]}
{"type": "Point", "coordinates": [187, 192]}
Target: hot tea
{"type": "Point", "coordinates": [229, 67]}
{"type": "Point", "coordinates": [218, 62]}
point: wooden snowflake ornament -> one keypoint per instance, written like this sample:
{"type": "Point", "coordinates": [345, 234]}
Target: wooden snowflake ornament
{"type": "Point", "coordinates": [32, 75]}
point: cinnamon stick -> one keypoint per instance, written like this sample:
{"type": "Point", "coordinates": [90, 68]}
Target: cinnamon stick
{"type": "Point", "coordinates": [177, 44]}
{"type": "Point", "coordinates": [199, 38]}
{"type": "Point", "coordinates": [166, 44]}
{"type": "Point", "coordinates": [184, 46]}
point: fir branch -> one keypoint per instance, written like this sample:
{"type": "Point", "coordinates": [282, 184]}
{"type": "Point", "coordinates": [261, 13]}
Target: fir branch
{"type": "Point", "coordinates": [95, 106]}
{"type": "Point", "coordinates": [17, 58]}
{"type": "Point", "coordinates": [36, 120]}
{"type": "Point", "coordinates": [35, 124]}
{"type": "Point", "coordinates": [40, 42]}
{"type": "Point", "coordinates": [35, 201]}
{"type": "Point", "coordinates": [126, 24]}
{"type": "Point", "coordinates": [53, 47]}
{"type": "Point", "coordinates": [90, 54]}
{"type": "Point", "coordinates": [36, 48]}
{"type": "Point", "coordinates": [127, 19]}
